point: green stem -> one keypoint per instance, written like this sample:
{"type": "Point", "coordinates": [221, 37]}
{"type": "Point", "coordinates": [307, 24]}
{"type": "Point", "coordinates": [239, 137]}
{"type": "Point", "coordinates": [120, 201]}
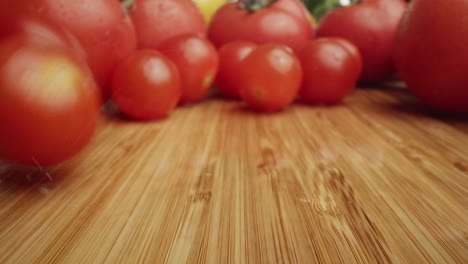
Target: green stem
{"type": "Point", "coordinates": [128, 5]}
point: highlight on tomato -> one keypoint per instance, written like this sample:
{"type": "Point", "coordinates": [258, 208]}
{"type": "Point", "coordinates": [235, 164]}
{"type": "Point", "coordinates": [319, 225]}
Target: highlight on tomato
{"type": "Point", "coordinates": [49, 102]}
{"type": "Point", "coordinates": [331, 67]}
{"type": "Point", "coordinates": [231, 56]}
{"type": "Point", "coordinates": [431, 54]}
{"type": "Point", "coordinates": [197, 61]}
{"type": "Point", "coordinates": [371, 26]}
{"type": "Point", "coordinates": [146, 85]}
{"type": "Point", "coordinates": [270, 78]}
{"type": "Point", "coordinates": [102, 27]}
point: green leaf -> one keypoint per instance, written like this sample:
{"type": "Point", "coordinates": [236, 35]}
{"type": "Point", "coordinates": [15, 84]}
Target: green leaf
{"type": "Point", "coordinates": [318, 8]}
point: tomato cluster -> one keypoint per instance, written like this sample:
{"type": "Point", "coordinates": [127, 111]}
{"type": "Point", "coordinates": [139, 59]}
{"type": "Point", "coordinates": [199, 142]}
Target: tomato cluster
{"type": "Point", "coordinates": [269, 77]}
{"type": "Point", "coordinates": [57, 68]}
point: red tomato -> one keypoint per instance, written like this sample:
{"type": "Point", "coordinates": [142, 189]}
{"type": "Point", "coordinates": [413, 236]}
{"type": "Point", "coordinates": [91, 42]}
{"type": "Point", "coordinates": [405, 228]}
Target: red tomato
{"type": "Point", "coordinates": [40, 32]}
{"type": "Point", "coordinates": [297, 8]}
{"type": "Point", "coordinates": [146, 85]}
{"type": "Point", "coordinates": [230, 57]}
{"type": "Point", "coordinates": [371, 26]}
{"type": "Point", "coordinates": [283, 22]}
{"type": "Point", "coordinates": [270, 78]}
{"type": "Point", "coordinates": [159, 20]}
{"type": "Point", "coordinates": [48, 99]}
{"type": "Point", "coordinates": [331, 70]}
{"type": "Point", "coordinates": [350, 47]}
{"type": "Point", "coordinates": [431, 53]}
{"type": "Point", "coordinates": [197, 62]}
{"type": "Point", "coordinates": [102, 27]}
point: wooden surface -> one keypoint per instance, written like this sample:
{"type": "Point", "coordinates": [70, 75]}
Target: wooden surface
{"type": "Point", "coordinates": [374, 180]}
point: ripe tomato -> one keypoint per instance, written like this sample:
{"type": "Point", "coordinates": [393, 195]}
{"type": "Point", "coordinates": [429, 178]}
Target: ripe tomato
{"type": "Point", "coordinates": [283, 22]}
{"type": "Point", "coordinates": [431, 53]}
{"type": "Point", "coordinates": [230, 57]}
{"type": "Point", "coordinates": [159, 20]}
{"type": "Point", "coordinates": [102, 27]}
{"type": "Point", "coordinates": [350, 47]}
{"type": "Point", "coordinates": [371, 26]}
{"type": "Point", "coordinates": [197, 62]}
{"type": "Point", "coordinates": [48, 99]}
{"type": "Point", "coordinates": [332, 67]}
{"type": "Point", "coordinates": [146, 85]}
{"type": "Point", "coordinates": [39, 31]}
{"type": "Point", "coordinates": [298, 8]}
{"type": "Point", "coordinates": [270, 77]}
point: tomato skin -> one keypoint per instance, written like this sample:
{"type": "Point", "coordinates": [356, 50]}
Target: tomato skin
{"type": "Point", "coordinates": [159, 20]}
{"type": "Point", "coordinates": [38, 31]}
{"type": "Point", "coordinates": [230, 57]}
{"type": "Point", "coordinates": [49, 102]}
{"type": "Point", "coordinates": [146, 85]}
{"type": "Point", "coordinates": [298, 9]}
{"type": "Point", "coordinates": [103, 29]}
{"type": "Point", "coordinates": [370, 26]}
{"type": "Point", "coordinates": [331, 70]}
{"type": "Point", "coordinates": [197, 61]}
{"type": "Point", "coordinates": [431, 53]}
{"type": "Point", "coordinates": [280, 23]}
{"type": "Point", "coordinates": [270, 77]}
{"type": "Point", "coordinates": [350, 48]}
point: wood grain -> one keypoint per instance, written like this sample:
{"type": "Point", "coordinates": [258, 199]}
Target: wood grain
{"type": "Point", "coordinates": [376, 179]}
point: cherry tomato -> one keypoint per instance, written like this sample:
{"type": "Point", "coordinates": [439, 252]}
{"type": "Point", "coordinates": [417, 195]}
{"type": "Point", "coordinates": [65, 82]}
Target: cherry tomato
{"type": "Point", "coordinates": [146, 85]}
{"type": "Point", "coordinates": [197, 61]}
{"type": "Point", "coordinates": [282, 22]}
{"type": "Point", "coordinates": [431, 53]}
{"type": "Point", "coordinates": [103, 29]}
{"type": "Point", "coordinates": [270, 78]}
{"type": "Point", "coordinates": [49, 102]}
{"type": "Point", "coordinates": [159, 20]}
{"type": "Point", "coordinates": [332, 67]}
{"type": "Point", "coordinates": [371, 26]}
{"type": "Point", "coordinates": [350, 47]}
{"type": "Point", "coordinates": [230, 57]}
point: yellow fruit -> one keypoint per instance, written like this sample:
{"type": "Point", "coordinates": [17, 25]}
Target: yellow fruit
{"type": "Point", "coordinates": [209, 7]}
{"type": "Point", "coordinates": [313, 21]}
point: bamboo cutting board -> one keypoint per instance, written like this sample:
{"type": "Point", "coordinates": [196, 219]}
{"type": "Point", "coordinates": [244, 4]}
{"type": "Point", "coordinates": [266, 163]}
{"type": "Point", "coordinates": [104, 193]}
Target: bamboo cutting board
{"type": "Point", "coordinates": [374, 180]}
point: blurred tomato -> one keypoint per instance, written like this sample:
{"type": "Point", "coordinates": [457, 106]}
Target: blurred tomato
{"type": "Point", "coordinates": [159, 20]}
{"type": "Point", "coordinates": [231, 56]}
{"type": "Point", "coordinates": [101, 26]}
{"type": "Point", "coordinates": [40, 31]}
{"type": "Point", "coordinates": [197, 62]}
{"type": "Point", "coordinates": [431, 53]}
{"type": "Point", "coordinates": [371, 26]}
{"type": "Point", "coordinates": [270, 78]}
{"type": "Point", "coordinates": [283, 22]}
{"type": "Point", "coordinates": [146, 85]}
{"type": "Point", "coordinates": [48, 99]}
{"type": "Point", "coordinates": [331, 67]}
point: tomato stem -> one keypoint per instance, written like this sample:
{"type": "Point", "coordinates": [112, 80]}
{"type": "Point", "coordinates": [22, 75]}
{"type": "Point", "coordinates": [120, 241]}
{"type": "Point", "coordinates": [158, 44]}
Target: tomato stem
{"type": "Point", "coordinates": [254, 5]}
{"type": "Point", "coordinates": [128, 5]}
